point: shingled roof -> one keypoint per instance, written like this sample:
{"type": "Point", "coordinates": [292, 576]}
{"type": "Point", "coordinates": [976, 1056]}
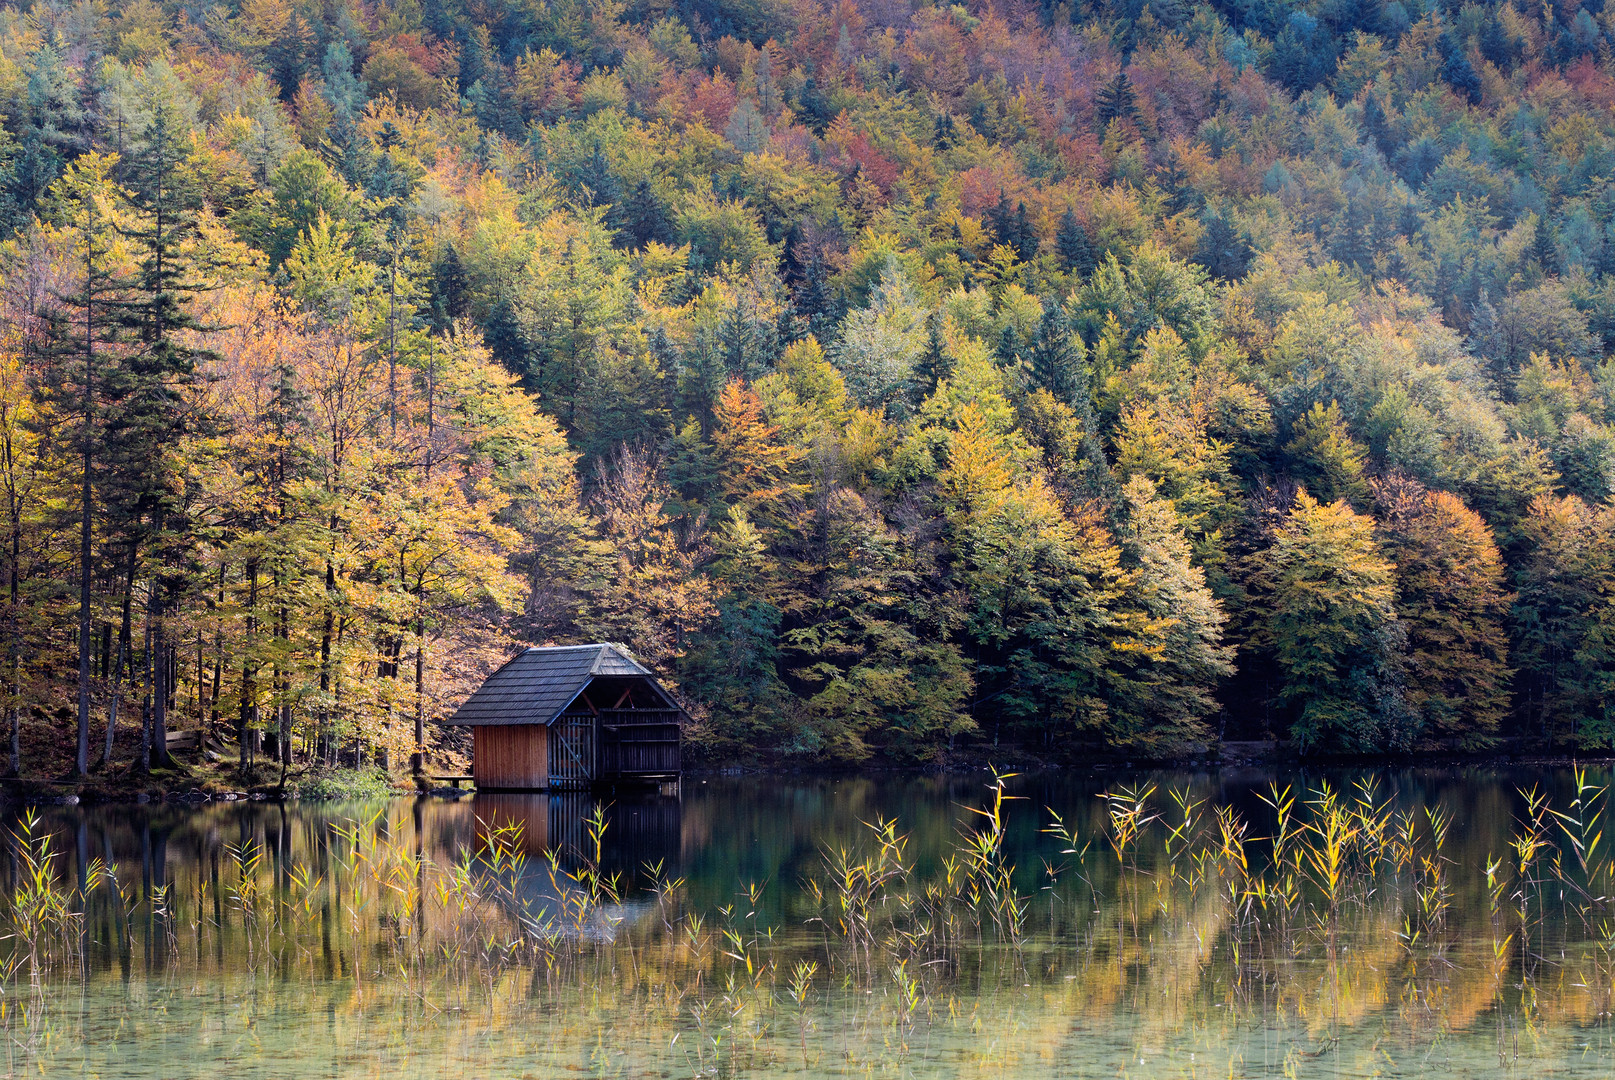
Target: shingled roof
{"type": "Point", "coordinates": [536, 686]}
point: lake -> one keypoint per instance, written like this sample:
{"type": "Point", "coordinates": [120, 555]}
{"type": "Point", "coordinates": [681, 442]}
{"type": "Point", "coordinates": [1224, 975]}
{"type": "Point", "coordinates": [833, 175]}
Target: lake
{"type": "Point", "coordinates": [1443, 923]}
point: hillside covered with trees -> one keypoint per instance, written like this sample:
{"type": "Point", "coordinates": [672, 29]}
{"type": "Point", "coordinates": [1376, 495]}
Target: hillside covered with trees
{"type": "Point", "coordinates": [892, 377]}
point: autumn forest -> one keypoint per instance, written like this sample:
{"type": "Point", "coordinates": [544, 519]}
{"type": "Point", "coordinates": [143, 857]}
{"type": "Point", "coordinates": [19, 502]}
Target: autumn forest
{"type": "Point", "coordinates": [896, 379]}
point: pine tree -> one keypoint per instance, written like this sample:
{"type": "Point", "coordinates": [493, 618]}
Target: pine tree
{"type": "Point", "coordinates": [1223, 250]}
{"type": "Point", "coordinates": [508, 342]}
{"type": "Point", "coordinates": [1022, 236]}
{"type": "Point", "coordinates": [1543, 250]}
{"type": "Point", "coordinates": [816, 303]}
{"type": "Point", "coordinates": [451, 299]}
{"type": "Point", "coordinates": [933, 365]}
{"type": "Point", "coordinates": [1009, 346]}
{"type": "Point", "coordinates": [154, 379]}
{"type": "Point", "coordinates": [1001, 219]}
{"type": "Point", "coordinates": [1116, 100]}
{"type": "Point", "coordinates": [1059, 365]}
{"type": "Point", "coordinates": [1072, 246]}
{"type": "Point", "coordinates": [81, 390]}
{"type": "Point", "coordinates": [644, 218]}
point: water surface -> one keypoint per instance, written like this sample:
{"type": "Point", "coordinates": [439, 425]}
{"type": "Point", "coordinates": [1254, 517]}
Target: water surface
{"type": "Point", "coordinates": [755, 927]}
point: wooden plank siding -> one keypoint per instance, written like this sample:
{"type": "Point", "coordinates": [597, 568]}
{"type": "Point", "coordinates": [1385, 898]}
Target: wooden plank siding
{"type": "Point", "coordinates": [639, 742]}
{"type": "Point", "coordinates": [514, 757]}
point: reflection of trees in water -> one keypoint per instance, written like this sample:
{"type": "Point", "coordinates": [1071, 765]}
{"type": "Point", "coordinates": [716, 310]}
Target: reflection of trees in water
{"type": "Point", "coordinates": [487, 906]}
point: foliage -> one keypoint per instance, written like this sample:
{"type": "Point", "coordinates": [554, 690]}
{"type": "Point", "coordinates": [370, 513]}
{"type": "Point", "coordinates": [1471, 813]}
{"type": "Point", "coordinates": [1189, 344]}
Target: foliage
{"type": "Point", "coordinates": [887, 381]}
{"type": "Point", "coordinates": [346, 785]}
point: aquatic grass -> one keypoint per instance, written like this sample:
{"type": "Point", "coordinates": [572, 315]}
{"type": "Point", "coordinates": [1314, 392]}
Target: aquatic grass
{"type": "Point", "coordinates": [1347, 908]}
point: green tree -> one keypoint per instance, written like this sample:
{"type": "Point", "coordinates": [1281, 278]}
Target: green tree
{"type": "Point", "coordinates": [1324, 457]}
{"type": "Point", "coordinates": [1335, 632]}
{"type": "Point", "coordinates": [1563, 622]}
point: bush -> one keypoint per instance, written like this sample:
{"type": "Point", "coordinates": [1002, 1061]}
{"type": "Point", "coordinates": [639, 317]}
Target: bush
{"type": "Point", "coordinates": [346, 785]}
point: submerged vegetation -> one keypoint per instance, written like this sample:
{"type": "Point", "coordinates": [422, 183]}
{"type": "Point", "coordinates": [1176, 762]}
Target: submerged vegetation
{"type": "Point", "coordinates": [1346, 933]}
{"type": "Point", "coordinates": [891, 377]}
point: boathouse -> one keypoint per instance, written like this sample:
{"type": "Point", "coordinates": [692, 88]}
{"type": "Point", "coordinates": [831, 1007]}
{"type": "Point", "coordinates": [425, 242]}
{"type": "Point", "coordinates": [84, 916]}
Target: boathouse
{"type": "Point", "coordinates": [570, 717]}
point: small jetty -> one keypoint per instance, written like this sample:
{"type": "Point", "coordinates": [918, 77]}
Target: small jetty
{"type": "Point", "coordinates": [572, 717]}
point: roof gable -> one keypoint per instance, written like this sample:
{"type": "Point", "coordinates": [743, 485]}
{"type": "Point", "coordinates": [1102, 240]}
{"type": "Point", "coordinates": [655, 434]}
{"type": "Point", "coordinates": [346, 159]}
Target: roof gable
{"type": "Point", "coordinates": [537, 685]}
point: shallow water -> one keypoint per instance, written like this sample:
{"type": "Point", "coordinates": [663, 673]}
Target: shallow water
{"type": "Point", "coordinates": [432, 939]}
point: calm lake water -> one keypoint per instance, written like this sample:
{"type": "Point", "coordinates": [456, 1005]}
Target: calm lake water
{"type": "Point", "coordinates": [1414, 923]}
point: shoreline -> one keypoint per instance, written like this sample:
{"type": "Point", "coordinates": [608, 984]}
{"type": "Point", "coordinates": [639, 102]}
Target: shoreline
{"type": "Point", "coordinates": [203, 788]}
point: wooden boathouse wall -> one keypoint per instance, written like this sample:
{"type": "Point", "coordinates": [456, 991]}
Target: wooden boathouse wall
{"type": "Point", "coordinates": [512, 757]}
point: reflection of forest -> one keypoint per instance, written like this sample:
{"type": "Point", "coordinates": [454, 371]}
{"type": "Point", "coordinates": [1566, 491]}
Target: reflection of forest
{"type": "Point", "coordinates": [1167, 943]}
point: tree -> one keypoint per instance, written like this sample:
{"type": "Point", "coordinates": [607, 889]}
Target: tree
{"type": "Point", "coordinates": [1563, 625]}
{"type": "Point", "coordinates": [1115, 101]}
{"type": "Point", "coordinates": [1323, 456]}
{"type": "Point", "coordinates": [751, 464]}
{"type": "Point", "coordinates": [1072, 246]}
{"type": "Point", "coordinates": [1450, 598]}
{"type": "Point", "coordinates": [644, 218]}
{"type": "Point", "coordinates": [1335, 632]}
{"type": "Point", "coordinates": [83, 388]}
{"type": "Point", "coordinates": [1058, 365]}
{"type": "Point", "coordinates": [1161, 689]}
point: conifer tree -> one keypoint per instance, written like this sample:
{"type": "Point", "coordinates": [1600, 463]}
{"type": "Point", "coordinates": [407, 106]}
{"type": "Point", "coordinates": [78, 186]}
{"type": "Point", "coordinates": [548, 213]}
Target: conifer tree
{"type": "Point", "coordinates": [1059, 365]}
{"type": "Point", "coordinates": [1071, 244]}
{"type": "Point", "coordinates": [1116, 100]}
{"type": "Point", "coordinates": [933, 364]}
{"type": "Point", "coordinates": [151, 414]}
{"type": "Point", "coordinates": [82, 385]}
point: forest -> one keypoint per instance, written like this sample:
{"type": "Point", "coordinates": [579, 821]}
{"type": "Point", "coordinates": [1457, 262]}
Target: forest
{"type": "Point", "coordinates": [896, 379]}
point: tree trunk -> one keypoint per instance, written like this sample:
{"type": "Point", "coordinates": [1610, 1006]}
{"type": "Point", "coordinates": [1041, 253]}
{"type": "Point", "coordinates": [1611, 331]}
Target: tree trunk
{"type": "Point", "coordinates": [112, 708]}
{"type": "Point", "coordinates": [14, 631]}
{"type": "Point", "coordinates": [81, 764]}
{"type": "Point", "coordinates": [162, 662]}
{"type": "Point", "coordinates": [417, 763]}
{"type": "Point", "coordinates": [249, 674]}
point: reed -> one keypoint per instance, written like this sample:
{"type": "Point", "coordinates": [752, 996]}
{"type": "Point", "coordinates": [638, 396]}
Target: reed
{"type": "Point", "coordinates": [1174, 907]}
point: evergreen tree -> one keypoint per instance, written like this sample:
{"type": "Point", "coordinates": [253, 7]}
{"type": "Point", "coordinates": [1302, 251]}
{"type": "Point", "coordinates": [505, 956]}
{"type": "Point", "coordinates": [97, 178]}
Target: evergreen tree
{"type": "Point", "coordinates": [1222, 249]}
{"type": "Point", "coordinates": [1543, 250]}
{"type": "Point", "coordinates": [933, 365]}
{"type": "Point", "coordinates": [152, 410]}
{"type": "Point", "coordinates": [1116, 100]}
{"type": "Point", "coordinates": [1059, 365]}
{"type": "Point", "coordinates": [507, 341]}
{"type": "Point", "coordinates": [816, 303]}
{"type": "Point", "coordinates": [451, 299]}
{"type": "Point", "coordinates": [1022, 236]}
{"type": "Point", "coordinates": [83, 394]}
{"type": "Point", "coordinates": [644, 218]}
{"type": "Point", "coordinates": [1072, 246]}
{"type": "Point", "coordinates": [1001, 220]}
